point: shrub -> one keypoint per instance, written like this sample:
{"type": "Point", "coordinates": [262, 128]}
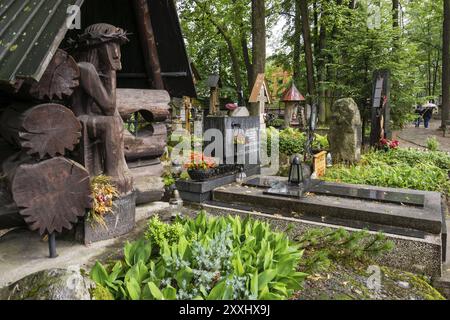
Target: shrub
{"type": "Point", "coordinates": [159, 232]}
{"type": "Point", "coordinates": [433, 144]}
{"type": "Point", "coordinates": [214, 259]}
{"type": "Point", "coordinates": [292, 141]}
{"type": "Point", "coordinates": [277, 123]}
{"type": "Point", "coordinates": [400, 168]}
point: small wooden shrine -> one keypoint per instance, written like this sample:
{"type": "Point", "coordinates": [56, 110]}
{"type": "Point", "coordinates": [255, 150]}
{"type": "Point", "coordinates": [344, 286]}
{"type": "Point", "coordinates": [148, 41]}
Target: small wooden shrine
{"type": "Point", "coordinates": [76, 104]}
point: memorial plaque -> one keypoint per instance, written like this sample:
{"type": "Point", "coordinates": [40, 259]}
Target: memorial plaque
{"type": "Point", "coordinates": [320, 163]}
{"type": "Point", "coordinates": [232, 128]}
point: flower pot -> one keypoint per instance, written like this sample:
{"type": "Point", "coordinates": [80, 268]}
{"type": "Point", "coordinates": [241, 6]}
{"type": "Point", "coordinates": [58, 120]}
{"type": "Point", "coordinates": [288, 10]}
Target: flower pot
{"type": "Point", "coordinates": [118, 223]}
{"type": "Point", "coordinates": [201, 175]}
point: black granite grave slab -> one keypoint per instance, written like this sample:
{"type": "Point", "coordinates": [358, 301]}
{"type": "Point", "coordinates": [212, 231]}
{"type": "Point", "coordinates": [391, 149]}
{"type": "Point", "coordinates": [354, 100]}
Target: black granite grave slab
{"type": "Point", "coordinates": [426, 218]}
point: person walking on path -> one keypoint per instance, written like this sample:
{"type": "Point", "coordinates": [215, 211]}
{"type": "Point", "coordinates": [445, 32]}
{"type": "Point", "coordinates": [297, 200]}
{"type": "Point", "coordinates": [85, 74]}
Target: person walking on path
{"type": "Point", "coordinates": [419, 111]}
{"type": "Point", "coordinates": [429, 109]}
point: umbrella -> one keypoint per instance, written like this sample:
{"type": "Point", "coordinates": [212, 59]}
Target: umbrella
{"type": "Point", "coordinates": [430, 105]}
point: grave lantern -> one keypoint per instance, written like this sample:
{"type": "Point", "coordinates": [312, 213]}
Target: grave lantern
{"type": "Point", "coordinates": [292, 98]}
{"type": "Point", "coordinates": [296, 171]}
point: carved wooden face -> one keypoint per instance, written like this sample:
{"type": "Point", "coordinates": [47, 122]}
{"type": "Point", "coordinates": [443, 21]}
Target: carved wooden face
{"type": "Point", "coordinates": [111, 54]}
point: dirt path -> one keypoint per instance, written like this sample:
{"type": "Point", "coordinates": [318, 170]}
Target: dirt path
{"type": "Point", "coordinates": [412, 137]}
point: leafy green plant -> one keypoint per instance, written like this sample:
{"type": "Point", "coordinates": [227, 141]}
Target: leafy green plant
{"type": "Point", "coordinates": [433, 144]}
{"type": "Point", "coordinates": [292, 141]}
{"type": "Point", "coordinates": [214, 259]}
{"type": "Point", "coordinates": [168, 180]}
{"type": "Point", "coordinates": [400, 168]}
{"type": "Point", "coordinates": [159, 232]}
{"type": "Point", "coordinates": [277, 123]}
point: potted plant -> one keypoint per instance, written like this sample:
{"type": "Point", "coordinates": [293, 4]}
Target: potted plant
{"type": "Point", "coordinates": [201, 168]}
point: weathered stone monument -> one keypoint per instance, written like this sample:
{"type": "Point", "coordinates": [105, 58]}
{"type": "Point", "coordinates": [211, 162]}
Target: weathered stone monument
{"type": "Point", "coordinates": [345, 135]}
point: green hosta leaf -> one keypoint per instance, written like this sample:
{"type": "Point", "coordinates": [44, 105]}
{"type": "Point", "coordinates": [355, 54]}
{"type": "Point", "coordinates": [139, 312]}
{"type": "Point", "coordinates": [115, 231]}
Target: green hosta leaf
{"type": "Point", "coordinates": [116, 271]}
{"type": "Point", "coordinates": [138, 272]}
{"type": "Point", "coordinates": [129, 250]}
{"type": "Point", "coordinates": [170, 293]}
{"type": "Point", "coordinates": [137, 251]}
{"type": "Point", "coordinates": [154, 290]}
{"type": "Point", "coordinates": [266, 277]}
{"type": "Point", "coordinates": [160, 270]}
{"type": "Point", "coordinates": [143, 252]}
{"type": "Point", "coordinates": [286, 265]}
{"type": "Point", "coordinates": [182, 246]}
{"type": "Point", "coordinates": [217, 292]}
{"type": "Point", "coordinates": [99, 274]}
{"type": "Point", "coordinates": [134, 289]}
{"type": "Point", "coordinates": [281, 288]}
{"type": "Point", "coordinates": [254, 286]}
{"type": "Point", "coordinates": [272, 296]}
{"type": "Point", "coordinates": [238, 267]}
{"type": "Point", "coordinates": [268, 259]}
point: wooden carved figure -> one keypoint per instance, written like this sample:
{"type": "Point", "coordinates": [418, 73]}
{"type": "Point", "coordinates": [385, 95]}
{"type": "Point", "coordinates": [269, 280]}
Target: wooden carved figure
{"type": "Point", "coordinates": [98, 55]}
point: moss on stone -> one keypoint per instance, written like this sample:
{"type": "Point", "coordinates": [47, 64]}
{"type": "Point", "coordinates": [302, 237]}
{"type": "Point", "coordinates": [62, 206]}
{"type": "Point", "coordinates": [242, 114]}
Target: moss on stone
{"type": "Point", "coordinates": [101, 293]}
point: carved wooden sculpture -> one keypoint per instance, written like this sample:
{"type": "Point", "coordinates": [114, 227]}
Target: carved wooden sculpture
{"type": "Point", "coordinates": [94, 103]}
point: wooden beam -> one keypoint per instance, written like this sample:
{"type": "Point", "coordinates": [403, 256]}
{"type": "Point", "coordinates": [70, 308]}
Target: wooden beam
{"type": "Point", "coordinates": [148, 43]}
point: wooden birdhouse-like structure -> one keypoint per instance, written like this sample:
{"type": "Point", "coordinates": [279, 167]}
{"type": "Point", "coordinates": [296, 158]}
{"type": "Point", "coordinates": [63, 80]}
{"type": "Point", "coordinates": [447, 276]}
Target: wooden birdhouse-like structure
{"type": "Point", "coordinates": [259, 97]}
{"type": "Point", "coordinates": [214, 84]}
{"type": "Point", "coordinates": [292, 99]}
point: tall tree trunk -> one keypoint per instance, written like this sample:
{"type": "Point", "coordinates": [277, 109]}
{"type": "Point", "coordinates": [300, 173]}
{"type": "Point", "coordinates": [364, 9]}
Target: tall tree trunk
{"type": "Point", "coordinates": [446, 64]}
{"type": "Point", "coordinates": [247, 61]}
{"type": "Point", "coordinates": [303, 5]}
{"type": "Point", "coordinates": [321, 69]}
{"type": "Point", "coordinates": [297, 45]}
{"type": "Point", "coordinates": [396, 13]}
{"type": "Point", "coordinates": [244, 45]}
{"type": "Point", "coordinates": [259, 43]}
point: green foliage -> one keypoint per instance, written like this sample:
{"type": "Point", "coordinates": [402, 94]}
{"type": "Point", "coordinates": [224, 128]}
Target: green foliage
{"type": "Point", "coordinates": [322, 247]}
{"type": "Point", "coordinates": [433, 144]}
{"type": "Point", "coordinates": [293, 141]}
{"type": "Point", "coordinates": [401, 168]}
{"type": "Point", "coordinates": [225, 258]}
{"type": "Point", "coordinates": [276, 123]}
{"type": "Point", "coordinates": [168, 180]}
{"type": "Point", "coordinates": [159, 232]}
{"type": "Point", "coordinates": [184, 176]}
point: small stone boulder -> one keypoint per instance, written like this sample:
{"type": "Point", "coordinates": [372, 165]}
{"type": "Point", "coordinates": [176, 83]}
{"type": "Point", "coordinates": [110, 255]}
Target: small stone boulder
{"type": "Point", "coordinates": [53, 284]}
{"type": "Point", "coordinates": [345, 136]}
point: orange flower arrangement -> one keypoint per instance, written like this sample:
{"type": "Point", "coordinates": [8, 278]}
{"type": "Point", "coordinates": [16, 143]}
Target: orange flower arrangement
{"type": "Point", "coordinates": [198, 161]}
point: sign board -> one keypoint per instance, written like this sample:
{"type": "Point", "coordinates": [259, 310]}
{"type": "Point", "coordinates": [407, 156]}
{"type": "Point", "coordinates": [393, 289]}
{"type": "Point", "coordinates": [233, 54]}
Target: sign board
{"type": "Point", "coordinates": [320, 163]}
{"type": "Point", "coordinates": [381, 113]}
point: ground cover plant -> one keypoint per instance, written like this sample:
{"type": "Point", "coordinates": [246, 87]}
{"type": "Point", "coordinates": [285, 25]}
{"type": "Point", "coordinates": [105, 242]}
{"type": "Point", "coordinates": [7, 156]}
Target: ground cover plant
{"type": "Point", "coordinates": [398, 168]}
{"type": "Point", "coordinates": [226, 258]}
{"type": "Point", "coordinates": [206, 258]}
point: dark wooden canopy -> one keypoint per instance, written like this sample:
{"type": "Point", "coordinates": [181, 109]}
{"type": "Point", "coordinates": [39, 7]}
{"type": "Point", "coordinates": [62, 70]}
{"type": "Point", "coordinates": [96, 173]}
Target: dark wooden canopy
{"type": "Point", "coordinates": [174, 63]}
{"type": "Point", "coordinates": [32, 31]}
